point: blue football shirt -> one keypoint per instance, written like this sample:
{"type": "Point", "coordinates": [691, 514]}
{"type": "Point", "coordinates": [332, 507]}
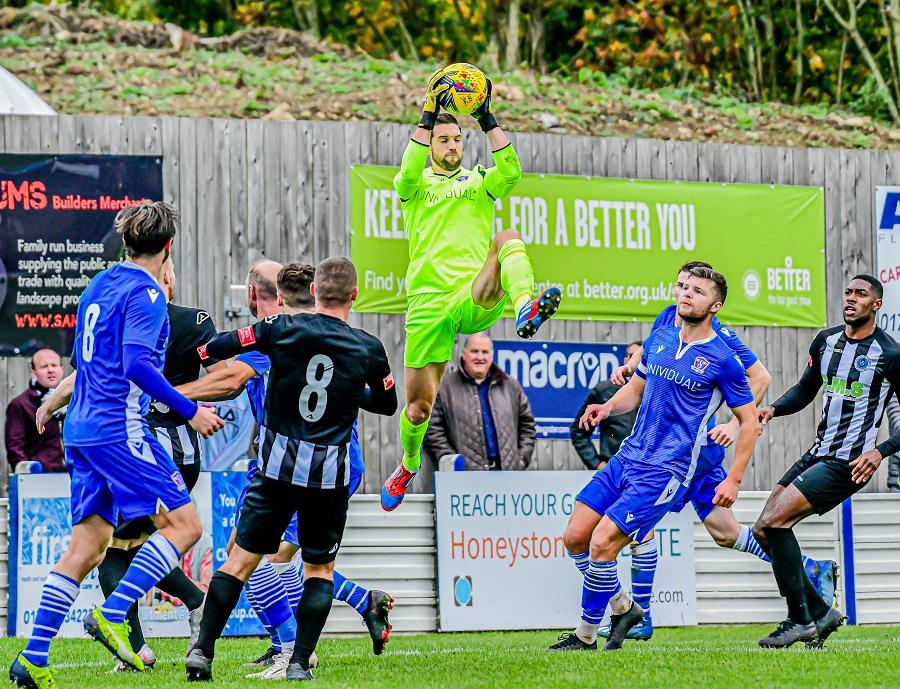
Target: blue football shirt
{"type": "Point", "coordinates": [256, 386]}
{"type": "Point", "coordinates": [122, 305]}
{"type": "Point", "coordinates": [686, 384]}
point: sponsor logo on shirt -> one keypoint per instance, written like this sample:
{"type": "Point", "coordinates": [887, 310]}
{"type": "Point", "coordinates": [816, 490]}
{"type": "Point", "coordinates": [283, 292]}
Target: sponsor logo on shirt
{"type": "Point", "coordinates": [388, 381]}
{"type": "Point", "coordinates": [861, 363]}
{"type": "Point", "coordinates": [153, 293]}
{"type": "Point", "coordinates": [202, 316]}
{"type": "Point", "coordinates": [700, 364]}
{"type": "Point", "coordinates": [201, 350]}
{"type": "Point", "coordinates": [674, 376]}
{"type": "Point", "coordinates": [333, 550]}
{"type": "Point", "coordinates": [660, 348]}
{"type": "Point", "coordinates": [246, 336]}
{"type": "Point", "coordinates": [839, 387]}
{"type": "Point", "coordinates": [271, 319]}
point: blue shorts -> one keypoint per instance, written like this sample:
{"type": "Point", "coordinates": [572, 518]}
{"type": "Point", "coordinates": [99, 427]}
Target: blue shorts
{"type": "Point", "coordinates": [124, 479]}
{"type": "Point", "coordinates": [708, 476]}
{"type": "Point", "coordinates": [634, 496]}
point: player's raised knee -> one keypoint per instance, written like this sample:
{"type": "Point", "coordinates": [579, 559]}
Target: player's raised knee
{"type": "Point", "coordinates": [506, 236]}
{"type": "Point", "coordinates": [576, 539]}
{"type": "Point", "coordinates": [419, 411]}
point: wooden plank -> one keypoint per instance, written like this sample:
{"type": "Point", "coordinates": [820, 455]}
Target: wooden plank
{"type": "Point", "coordinates": [833, 232]}
{"type": "Point", "coordinates": [287, 192]}
{"type": "Point", "coordinates": [272, 212]}
{"type": "Point", "coordinates": [864, 197]}
{"type": "Point", "coordinates": [188, 263]}
{"type": "Point", "coordinates": [304, 183]}
{"type": "Point", "coordinates": [220, 227]}
{"type": "Point", "coordinates": [339, 192]}
{"type": "Point", "coordinates": [238, 249]}
{"type": "Point", "coordinates": [208, 216]}
{"type": "Point", "coordinates": [256, 192]}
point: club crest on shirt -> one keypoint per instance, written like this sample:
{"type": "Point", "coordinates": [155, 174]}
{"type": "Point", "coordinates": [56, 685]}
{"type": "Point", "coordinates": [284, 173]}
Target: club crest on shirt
{"type": "Point", "coordinates": [861, 363]}
{"type": "Point", "coordinates": [388, 381]}
{"type": "Point", "coordinates": [201, 350]}
{"type": "Point", "coordinates": [178, 479]}
{"type": "Point", "coordinates": [464, 178]}
{"type": "Point", "coordinates": [700, 364]}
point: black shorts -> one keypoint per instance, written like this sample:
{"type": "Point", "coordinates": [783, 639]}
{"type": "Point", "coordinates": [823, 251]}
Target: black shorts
{"type": "Point", "coordinates": [269, 507]}
{"type": "Point", "coordinates": [133, 529]}
{"type": "Point", "coordinates": [824, 481]}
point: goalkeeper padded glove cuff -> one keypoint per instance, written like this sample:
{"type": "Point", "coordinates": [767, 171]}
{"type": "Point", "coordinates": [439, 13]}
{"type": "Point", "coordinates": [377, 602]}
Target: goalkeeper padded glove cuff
{"type": "Point", "coordinates": [429, 117]}
{"type": "Point", "coordinates": [488, 122]}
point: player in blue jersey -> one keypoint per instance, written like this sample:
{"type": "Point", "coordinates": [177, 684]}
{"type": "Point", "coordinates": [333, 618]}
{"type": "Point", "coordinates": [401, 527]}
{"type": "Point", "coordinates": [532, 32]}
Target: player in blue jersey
{"type": "Point", "coordinates": [274, 589]}
{"type": "Point", "coordinates": [120, 341]}
{"type": "Point", "coordinates": [720, 522]}
{"type": "Point", "coordinates": [684, 376]}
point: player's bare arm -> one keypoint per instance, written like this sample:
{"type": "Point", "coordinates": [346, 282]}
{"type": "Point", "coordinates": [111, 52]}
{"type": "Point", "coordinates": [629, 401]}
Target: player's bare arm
{"type": "Point", "coordinates": [58, 399]}
{"type": "Point", "coordinates": [727, 491]}
{"type": "Point", "coordinates": [625, 400]}
{"type": "Point", "coordinates": [223, 383]}
{"type": "Point", "coordinates": [759, 379]}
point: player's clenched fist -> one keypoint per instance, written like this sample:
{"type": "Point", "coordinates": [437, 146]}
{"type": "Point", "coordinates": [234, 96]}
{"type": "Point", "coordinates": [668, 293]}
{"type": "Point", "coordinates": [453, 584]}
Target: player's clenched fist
{"type": "Point", "coordinates": [593, 414]}
{"type": "Point", "coordinates": [726, 493]}
{"type": "Point", "coordinates": [205, 421]}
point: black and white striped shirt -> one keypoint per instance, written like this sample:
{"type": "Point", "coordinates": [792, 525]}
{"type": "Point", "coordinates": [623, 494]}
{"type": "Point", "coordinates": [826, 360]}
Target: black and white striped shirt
{"type": "Point", "coordinates": [858, 377]}
{"type": "Point", "coordinates": [323, 372]}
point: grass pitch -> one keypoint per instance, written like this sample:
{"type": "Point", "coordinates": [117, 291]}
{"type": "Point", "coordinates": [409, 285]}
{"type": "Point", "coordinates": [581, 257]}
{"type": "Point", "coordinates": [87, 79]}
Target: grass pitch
{"type": "Point", "coordinates": [719, 657]}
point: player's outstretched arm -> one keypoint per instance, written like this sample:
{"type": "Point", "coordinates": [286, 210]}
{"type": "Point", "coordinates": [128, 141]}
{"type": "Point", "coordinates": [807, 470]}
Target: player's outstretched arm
{"type": "Point", "coordinates": [621, 375]}
{"type": "Point", "coordinates": [500, 180]}
{"type": "Point", "coordinates": [224, 383]}
{"type": "Point", "coordinates": [415, 157]}
{"type": "Point", "coordinates": [58, 399]}
{"type": "Point", "coordinates": [727, 491]}
{"type": "Point", "coordinates": [625, 400]}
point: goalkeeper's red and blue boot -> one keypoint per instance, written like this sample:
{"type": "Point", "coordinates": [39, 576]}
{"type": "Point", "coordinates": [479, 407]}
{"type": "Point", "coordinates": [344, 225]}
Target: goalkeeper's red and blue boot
{"type": "Point", "coordinates": [533, 314]}
{"type": "Point", "coordinates": [394, 489]}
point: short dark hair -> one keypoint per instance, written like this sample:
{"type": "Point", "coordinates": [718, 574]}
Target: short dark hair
{"type": "Point", "coordinates": [335, 281]}
{"type": "Point", "coordinates": [444, 118]}
{"type": "Point", "coordinates": [714, 276]}
{"type": "Point", "coordinates": [294, 280]}
{"type": "Point", "coordinates": [147, 227]}
{"type": "Point", "coordinates": [877, 287]}
{"type": "Point", "coordinates": [690, 265]}
{"type": "Point", "coordinates": [639, 343]}
{"type": "Point", "coordinates": [260, 282]}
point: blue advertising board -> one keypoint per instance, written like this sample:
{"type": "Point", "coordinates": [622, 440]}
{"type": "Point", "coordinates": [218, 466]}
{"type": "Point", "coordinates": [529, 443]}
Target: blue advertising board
{"type": "Point", "coordinates": [557, 377]}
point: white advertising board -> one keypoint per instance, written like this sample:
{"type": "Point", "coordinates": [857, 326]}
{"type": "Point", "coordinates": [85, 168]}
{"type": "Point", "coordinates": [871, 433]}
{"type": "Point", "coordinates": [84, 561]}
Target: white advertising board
{"type": "Point", "coordinates": [502, 563]}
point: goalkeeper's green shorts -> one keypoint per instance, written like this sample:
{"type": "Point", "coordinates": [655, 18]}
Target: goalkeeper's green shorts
{"type": "Point", "coordinates": [434, 319]}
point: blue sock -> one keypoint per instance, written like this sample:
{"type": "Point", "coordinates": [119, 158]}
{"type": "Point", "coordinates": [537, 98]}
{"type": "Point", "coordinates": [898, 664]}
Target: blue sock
{"type": "Point", "coordinates": [352, 594]}
{"type": "Point", "coordinates": [266, 587]}
{"type": "Point", "coordinates": [156, 558]}
{"type": "Point", "coordinates": [581, 561]}
{"type": "Point", "coordinates": [57, 598]}
{"type": "Point", "coordinates": [601, 582]}
{"type": "Point", "coordinates": [293, 584]}
{"type": "Point", "coordinates": [263, 619]}
{"type": "Point", "coordinates": [747, 543]}
{"type": "Point", "coordinates": [644, 557]}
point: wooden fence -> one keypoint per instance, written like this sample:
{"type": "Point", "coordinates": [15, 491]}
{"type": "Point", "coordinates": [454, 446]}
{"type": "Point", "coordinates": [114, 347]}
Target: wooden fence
{"type": "Point", "coordinates": [249, 189]}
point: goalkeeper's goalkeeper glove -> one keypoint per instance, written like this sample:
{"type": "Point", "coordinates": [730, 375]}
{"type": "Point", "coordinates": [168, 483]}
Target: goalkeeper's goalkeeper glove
{"type": "Point", "coordinates": [436, 89]}
{"type": "Point", "coordinates": [485, 112]}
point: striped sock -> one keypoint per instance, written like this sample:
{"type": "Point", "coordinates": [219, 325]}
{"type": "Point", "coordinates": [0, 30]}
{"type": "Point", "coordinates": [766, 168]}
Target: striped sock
{"type": "Point", "coordinates": [270, 594]}
{"type": "Point", "coordinates": [644, 558]}
{"type": "Point", "coordinates": [601, 582]}
{"type": "Point", "coordinates": [156, 558]}
{"type": "Point", "coordinates": [57, 598]}
{"type": "Point", "coordinates": [263, 619]}
{"type": "Point", "coordinates": [352, 594]}
{"type": "Point", "coordinates": [293, 584]}
{"type": "Point", "coordinates": [582, 560]}
{"type": "Point", "coordinates": [747, 543]}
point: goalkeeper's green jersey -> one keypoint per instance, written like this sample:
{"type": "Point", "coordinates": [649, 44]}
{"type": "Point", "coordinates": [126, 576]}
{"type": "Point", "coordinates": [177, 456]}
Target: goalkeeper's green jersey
{"type": "Point", "coordinates": [448, 219]}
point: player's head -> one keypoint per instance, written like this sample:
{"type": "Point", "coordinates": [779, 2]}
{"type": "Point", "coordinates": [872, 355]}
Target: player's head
{"type": "Point", "coordinates": [702, 295]}
{"type": "Point", "coordinates": [293, 285]}
{"type": "Point", "coordinates": [478, 355]}
{"type": "Point", "coordinates": [46, 370]}
{"type": "Point", "coordinates": [167, 278]}
{"type": "Point", "coordinates": [446, 143]}
{"type": "Point", "coordinates": [862, 300]}
{"type": "Point", "coordinates": [262, 292]}
{"type": "Point", "coordinates": [684, 273]}
{"type": "Point", "coordinates": [632, 348]}
{"type": "Point", "coordinates": [334, 285]}
{"type": "Point", "coordinates": [148, 228]}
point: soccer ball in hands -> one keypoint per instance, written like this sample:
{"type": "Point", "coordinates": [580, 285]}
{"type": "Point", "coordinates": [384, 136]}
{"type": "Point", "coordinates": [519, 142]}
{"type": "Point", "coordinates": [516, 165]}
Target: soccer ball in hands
{"type": "Point", "coordinates": [468, 89]}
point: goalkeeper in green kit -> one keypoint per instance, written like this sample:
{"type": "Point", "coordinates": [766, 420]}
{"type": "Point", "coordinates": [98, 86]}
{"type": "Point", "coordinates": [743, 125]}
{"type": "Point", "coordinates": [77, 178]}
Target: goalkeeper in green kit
{"type": "Point", "coordinates": [458, 278]}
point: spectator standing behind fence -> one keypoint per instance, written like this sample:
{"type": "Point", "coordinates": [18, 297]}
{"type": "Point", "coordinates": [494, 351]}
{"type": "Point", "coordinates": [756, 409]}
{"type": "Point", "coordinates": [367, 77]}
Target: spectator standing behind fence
{"type": "Point", "coordinates": [23, 442]}
{"type": "Point", "coordinates": [613, 430]}
{"type": "Point", "coordinates": [482, 414]}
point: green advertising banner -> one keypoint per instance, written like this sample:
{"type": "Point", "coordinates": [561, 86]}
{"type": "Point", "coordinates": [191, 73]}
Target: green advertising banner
{"type": "Point", "coordinates": [614, 245]}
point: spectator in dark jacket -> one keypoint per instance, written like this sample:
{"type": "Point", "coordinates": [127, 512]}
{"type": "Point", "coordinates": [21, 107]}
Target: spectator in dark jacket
{"type": "Point", "coordinates": [481, 413]}
{"type": "Point", "coordinates": [613, 430]}
{"type": "Point", "coordinates": [23, 442]}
